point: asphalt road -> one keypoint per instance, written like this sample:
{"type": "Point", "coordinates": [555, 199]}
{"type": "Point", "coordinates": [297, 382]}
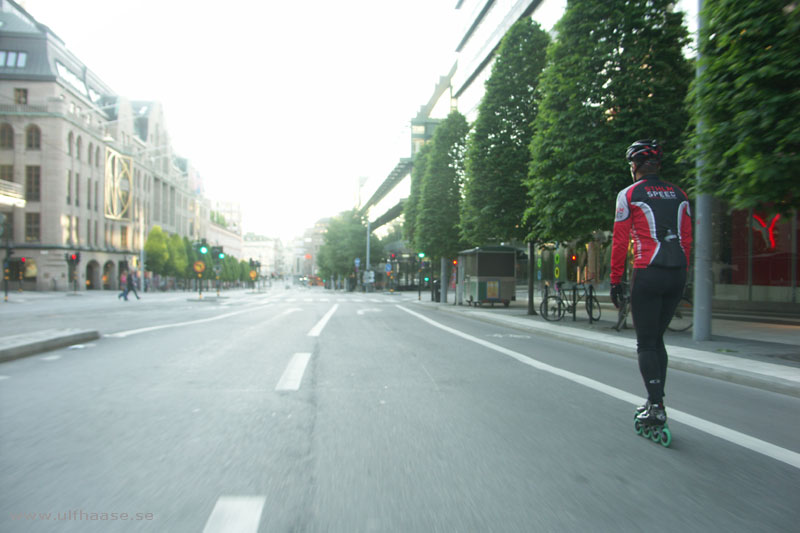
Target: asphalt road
{"type": "Point", "coordinates": [306, 410]}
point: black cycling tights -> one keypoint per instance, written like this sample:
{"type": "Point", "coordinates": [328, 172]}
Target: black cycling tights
{"type": "Point", "coordinates": [655, 294]}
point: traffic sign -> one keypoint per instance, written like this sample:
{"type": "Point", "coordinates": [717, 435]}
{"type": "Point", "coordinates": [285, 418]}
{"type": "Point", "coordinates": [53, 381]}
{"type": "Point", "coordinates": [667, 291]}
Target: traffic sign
{"type": "Point", "coordinates": [388, 267]}
{"type": "Point", "coordinates": [199, 266]}
{"type": "Point", "coordinates": [253, 274]}
{"type": "Point", "coordinates": [358, 262]}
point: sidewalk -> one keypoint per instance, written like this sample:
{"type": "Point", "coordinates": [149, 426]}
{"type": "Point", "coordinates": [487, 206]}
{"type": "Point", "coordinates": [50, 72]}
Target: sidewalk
{"type": "Point", "coordinates": [756, 351]}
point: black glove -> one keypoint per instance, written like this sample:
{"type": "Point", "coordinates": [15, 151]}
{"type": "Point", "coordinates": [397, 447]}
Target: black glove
{"type": "Point", "coordinates": [616, 294]}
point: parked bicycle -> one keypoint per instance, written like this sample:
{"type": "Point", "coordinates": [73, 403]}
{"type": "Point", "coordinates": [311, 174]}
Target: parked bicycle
{"type": "Point", "coordinates": [681, 320]}
{"type": "Point", "coordinates": [555, 306]}
{"type": "Point", "coordinates": [624, 307]}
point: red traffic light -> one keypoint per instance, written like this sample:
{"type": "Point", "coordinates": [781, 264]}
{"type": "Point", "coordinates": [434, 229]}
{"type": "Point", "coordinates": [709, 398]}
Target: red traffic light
{"type": "Point", "coordinates": [455, 261]}
{"type": "Point", "coordinates": [394, 255]}
{"type": "Point", "coordinates": [574, 257]}
{"type": "Point", "coordinates": [73, 257]}
{"type": "Point", "coordinates": [22, 259]}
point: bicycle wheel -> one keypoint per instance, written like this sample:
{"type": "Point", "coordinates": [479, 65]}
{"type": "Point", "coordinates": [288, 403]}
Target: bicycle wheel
{"type": "Point", "coordinates": [683, 317]}
{"type": "Point", "coordinates": [622, 316]}
{"type": "Point", "coordinates": [593, 307]}
{"type": "Point", "coordinates": [553, 309]}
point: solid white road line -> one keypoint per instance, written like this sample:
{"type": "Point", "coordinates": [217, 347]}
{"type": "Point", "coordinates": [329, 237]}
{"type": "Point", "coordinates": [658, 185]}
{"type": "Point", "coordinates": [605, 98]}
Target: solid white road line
{"type": "Point", "coordinates": [316, 330]}
{"type": "Point", "coordinates": [123, 334]}
{"type": "Point", "coordinates": [51, 358]}
{"type": "Point", "coordinates": [235, 514]}
{"type": "Point", "coordinates": [746, 441]}
{"type": "Point", "coordinates": [293, 375]}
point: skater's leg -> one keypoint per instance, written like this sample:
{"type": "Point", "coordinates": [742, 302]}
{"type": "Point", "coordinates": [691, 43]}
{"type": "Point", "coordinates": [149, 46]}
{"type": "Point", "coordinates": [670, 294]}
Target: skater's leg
{"type": "Point", "coordinates": [646, 311]}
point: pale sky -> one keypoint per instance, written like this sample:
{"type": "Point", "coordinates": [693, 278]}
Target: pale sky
{"type": "Point", "coordinates": [281, 106]}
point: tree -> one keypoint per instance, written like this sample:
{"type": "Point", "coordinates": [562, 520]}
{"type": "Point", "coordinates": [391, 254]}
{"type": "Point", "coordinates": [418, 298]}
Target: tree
{"type": "Point", "coordinates": [748, 100]}
{"type": "Point", "coordinates": [411, 207]}
{"type": "Point", "coordinates": [498, 152]}
{"type": "Point", "coordinates": [436, 230]}
{"type": "Point", "coordinates": [178, 261]}
{"type": "Point", "coordinates": [616, 74]}
{"type": "Point", "coordinates": [345, 241]}
{"type": "Point", "coordinates": [156, 251]}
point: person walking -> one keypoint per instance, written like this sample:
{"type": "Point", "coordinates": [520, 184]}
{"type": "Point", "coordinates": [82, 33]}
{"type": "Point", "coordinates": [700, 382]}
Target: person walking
{"type": "Point", "coordinates": [657, 216]}
{"type": "Point", "coordinates": [123, 282]}
{"type": "Point", "coordinates": [131, 286]}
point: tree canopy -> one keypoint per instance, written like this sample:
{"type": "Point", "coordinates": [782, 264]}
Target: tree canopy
{"type": "Point", "coordinates": [437, 232]}
{"type": "Point", "coordinates": [498, 153]}
{"type": "Point", "coordinates": [411, 207]}
{"type": "Point", "coordinates": [156, 251]}
{"type": "Point", "coordinates": [616, 74]}
{"type": "Point", "coordinates": [345, 241]}
{"type": "Point", "coordinates": [747, 98]}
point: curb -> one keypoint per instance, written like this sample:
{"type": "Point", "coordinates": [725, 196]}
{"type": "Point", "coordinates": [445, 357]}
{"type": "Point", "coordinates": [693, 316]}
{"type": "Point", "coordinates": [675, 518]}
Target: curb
{"type": "Point", "coordinates": [623, 347]}
{"type": "Point", "coordinates": [50, 340]}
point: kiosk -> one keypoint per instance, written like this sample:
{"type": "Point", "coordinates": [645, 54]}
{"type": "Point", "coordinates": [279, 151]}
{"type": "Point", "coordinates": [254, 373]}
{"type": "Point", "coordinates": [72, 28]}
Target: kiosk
{"type": "Point", "coordinates": [489, 274]}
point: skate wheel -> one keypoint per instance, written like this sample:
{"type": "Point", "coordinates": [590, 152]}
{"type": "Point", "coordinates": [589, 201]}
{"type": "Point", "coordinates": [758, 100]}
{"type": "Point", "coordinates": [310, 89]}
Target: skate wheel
{"type": "Point", "coordinates": [666, 437]}
{"type": "Point", "coordinates": [637, 426]}
{"type": "Point", "coordinates": [655, 436]}
{"type": "Point", "coordinates": [646, 431]}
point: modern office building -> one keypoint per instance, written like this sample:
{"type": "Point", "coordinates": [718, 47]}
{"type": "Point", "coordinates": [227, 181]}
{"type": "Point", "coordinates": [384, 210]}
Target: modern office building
{"type": "Point", "coordinates": [96, 170]}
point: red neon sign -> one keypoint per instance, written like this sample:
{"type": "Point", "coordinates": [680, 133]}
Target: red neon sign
{"type": "Point", "coordinates": [770, 230]}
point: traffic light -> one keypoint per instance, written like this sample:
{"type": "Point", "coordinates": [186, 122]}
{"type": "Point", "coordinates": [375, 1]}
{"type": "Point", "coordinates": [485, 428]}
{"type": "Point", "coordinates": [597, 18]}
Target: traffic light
{"type": "Point", "coordinates": [217, 253]}
{"type": "Point", "coordinates": [455, 262]}
{"type": "Point", "coordinates": [421, 255]}
{"type": "Point", "coordinates": [22, 260]}
{"type": "Point", "coordinates": [394, 256]}
{"type": "Point", "coordinates": [203, 249]}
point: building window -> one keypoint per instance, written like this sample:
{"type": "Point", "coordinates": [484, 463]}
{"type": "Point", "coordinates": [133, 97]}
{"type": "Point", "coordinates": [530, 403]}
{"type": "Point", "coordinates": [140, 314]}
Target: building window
{"type": "Point", "coordinates": [97, 157]}
{"type": "Point", "coordinates": [96, 183]}
{"type": "Point", "coordinates": [33, 183]}
{"type": "Point", "coordinates": [88, 232]}
{"type": "Point", "coordinates": [70, 142]}
{"type": "Point", "coordinates": [89, 194]}
{"type": "Point", "coordinates": [89, 154]}
{"type": "Point", "coordinates": [69, 187]}
{"type": "Point", "coordinates": [33, 138]}
{"type": "Point", "coordinates": [78, 149]}
{"type": "Point", "coordinates": [95, 233]}
{"type": "Point", "coordinates": [6, 136]}
{"type": "Point", "coordinates": [77, 231]}
{"type": "Point", "coordinates": [12, 59]}
{"type": "Point", "coordinates": [32, 227]}
{"type": "Point", "coordinates": [8, 230]}
{"type": "Point", "coordinates": [7, 172]}
{"type": "Point", "coordinates": [77, 189]}
{"type": "Point", "coordinates": [21, 96]}
{"type": "Point", "coordinates": [123, 237]}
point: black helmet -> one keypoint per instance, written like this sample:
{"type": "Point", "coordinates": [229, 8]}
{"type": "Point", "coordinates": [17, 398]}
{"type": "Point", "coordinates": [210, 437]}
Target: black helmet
{"type": "Point", "coordinates": [643, 150]}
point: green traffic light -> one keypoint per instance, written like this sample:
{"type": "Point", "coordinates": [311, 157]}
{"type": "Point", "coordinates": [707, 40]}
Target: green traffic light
{"type": "Point", "coordinates": [221, 255]}
{"type": "Point", "coordinates": [421, 255]}
{"type": "Point", "coordinates": [427, 278]}
{"type": "Point", "coordinates": [203, 250]}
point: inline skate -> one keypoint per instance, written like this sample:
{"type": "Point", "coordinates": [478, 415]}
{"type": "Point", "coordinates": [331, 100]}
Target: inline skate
{"type": "Point", "coordinates": [650, 421]}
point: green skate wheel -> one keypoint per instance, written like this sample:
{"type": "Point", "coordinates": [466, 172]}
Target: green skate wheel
{"type": "Point", "coordinates": [637, 426]}
{"type": "Point", "coordinates": [646, 432]}
{"type": "Point", "coordinates": [666, 437]}
{"type": "Point", "coordinates": [655, 436]}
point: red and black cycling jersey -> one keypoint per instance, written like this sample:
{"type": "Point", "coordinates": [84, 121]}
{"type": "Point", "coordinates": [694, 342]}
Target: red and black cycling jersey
{"type": "Point", "coordinates": [656, 214]}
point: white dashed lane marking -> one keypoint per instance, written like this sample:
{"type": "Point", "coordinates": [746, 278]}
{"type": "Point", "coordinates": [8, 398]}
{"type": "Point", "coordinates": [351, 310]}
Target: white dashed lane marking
{"type": "Point", "coordinates": [293, 375]}
{"type": "Point", "coordinates": [235, 514]}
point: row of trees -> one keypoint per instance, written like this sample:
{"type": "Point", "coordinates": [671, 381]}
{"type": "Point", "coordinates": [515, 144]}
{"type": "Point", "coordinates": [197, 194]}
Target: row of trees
{"type": "Point", "coordinates": [174, 256]}
{"type": "Point", "coordinates": [544, 159]}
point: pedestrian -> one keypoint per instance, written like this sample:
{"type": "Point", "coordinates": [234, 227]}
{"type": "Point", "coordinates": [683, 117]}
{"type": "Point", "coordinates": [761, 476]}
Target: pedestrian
{"type": "Point", "coordinates": [656, 214]}
{"type": "Point", "coordinates": [131, 286]}
{"type": "Point", "coordinates": [123, 282]}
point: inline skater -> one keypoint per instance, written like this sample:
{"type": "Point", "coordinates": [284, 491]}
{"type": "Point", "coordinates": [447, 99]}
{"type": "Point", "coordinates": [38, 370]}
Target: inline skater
{"type": "Point", "coordinates": [656, 215]}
